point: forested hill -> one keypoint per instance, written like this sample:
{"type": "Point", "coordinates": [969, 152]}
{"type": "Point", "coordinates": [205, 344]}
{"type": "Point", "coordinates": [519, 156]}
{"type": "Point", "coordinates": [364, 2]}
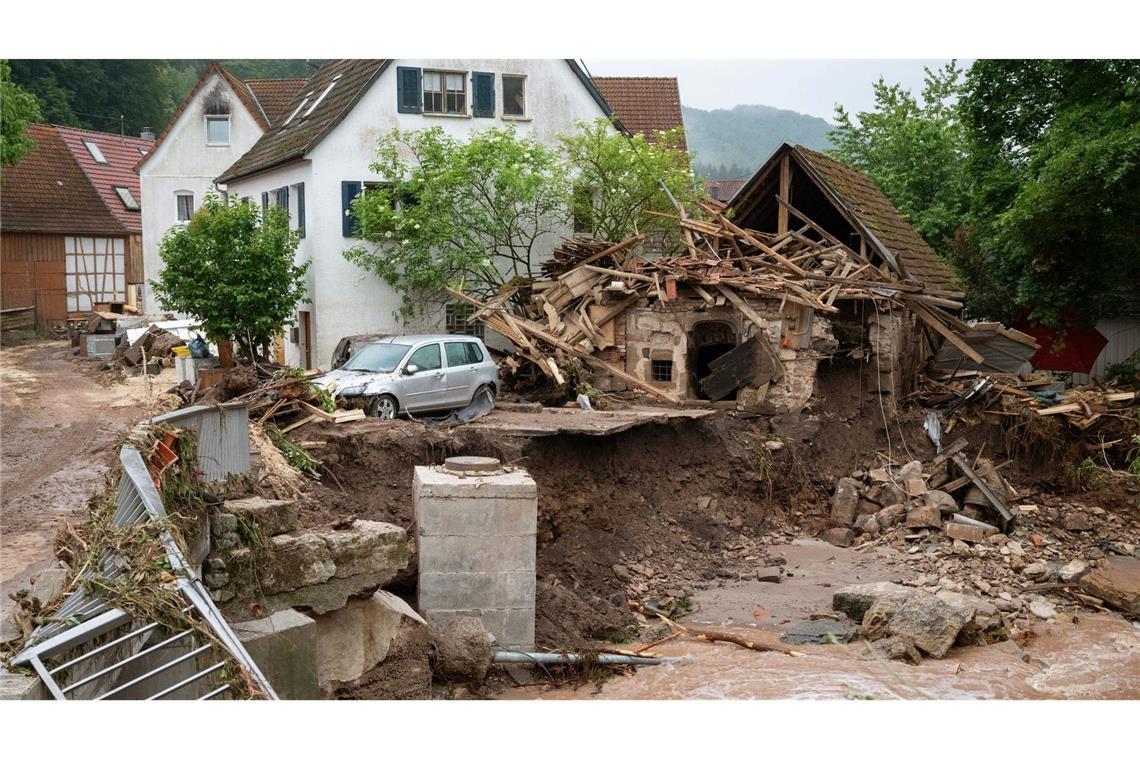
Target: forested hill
{"type": "Point", "coordinates": [733, 143]}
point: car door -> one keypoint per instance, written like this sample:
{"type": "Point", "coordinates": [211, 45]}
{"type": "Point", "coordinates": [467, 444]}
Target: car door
{"type": "Point", "coordinates": [427, 389]}
{"type": "Point", "coordinates": [461, 372]}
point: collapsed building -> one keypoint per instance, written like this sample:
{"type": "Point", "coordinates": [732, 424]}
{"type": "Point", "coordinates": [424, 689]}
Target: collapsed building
{"type": "Point", "coordinates": [808, 262]}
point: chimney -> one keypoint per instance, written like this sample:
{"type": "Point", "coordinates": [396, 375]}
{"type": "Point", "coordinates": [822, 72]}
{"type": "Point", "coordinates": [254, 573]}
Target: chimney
{"type": "Point", "coordinates": [147, 134]}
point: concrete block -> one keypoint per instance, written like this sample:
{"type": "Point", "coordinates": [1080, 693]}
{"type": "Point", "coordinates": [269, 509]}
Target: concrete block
{"type": "Point", "coordinates": [476, 517]}
{"type": "Point", "coordinates": [19, 686]}
{"type": "Point", "coordinates": [353, 639]}
{"type": "Point", "coordinates": [477, 554]}
{"type": "Point", "coordinates": [969, 533]}
{"type": "Point", "coordinates": [434, 482]}
{"type": "Point", "coordinates": [512, 628]}
{"type": "Point", "coordinates": [284, 646]}
{"type": "Point", "coordinates": [458, 591]}
{"type": "Point", "coordinates": [368, 547]}
{"type": "Point", "coordinates": [271, 516]}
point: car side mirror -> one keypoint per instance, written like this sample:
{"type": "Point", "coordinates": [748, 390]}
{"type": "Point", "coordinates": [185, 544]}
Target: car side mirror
{"type": "Point", "coordinates": [411, 369]}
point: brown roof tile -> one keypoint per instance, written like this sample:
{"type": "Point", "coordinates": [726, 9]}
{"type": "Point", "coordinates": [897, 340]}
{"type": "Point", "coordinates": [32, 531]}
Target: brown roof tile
{"type": "Point", "coordinates": [275, 95]}
{"type": "Point", "coordinates": [875, 211]}
{"type": "Point", "coordinates": [723, 189]}
{"type": "Point", "coordinates": [122, 153]}
{"type": "Point", "coordinates": [644, 105]}
{"type": "Point", "coordinates": [49, 192]}
{"type": "Point", "coordinates": [289, 141]}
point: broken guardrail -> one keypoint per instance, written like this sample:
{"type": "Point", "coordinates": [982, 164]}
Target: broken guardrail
{"type": "Point", "coordinates": [141, 661]}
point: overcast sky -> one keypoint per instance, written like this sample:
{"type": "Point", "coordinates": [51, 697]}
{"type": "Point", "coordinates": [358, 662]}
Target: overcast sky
{"type": "Point", "coordinates": [811, 87]}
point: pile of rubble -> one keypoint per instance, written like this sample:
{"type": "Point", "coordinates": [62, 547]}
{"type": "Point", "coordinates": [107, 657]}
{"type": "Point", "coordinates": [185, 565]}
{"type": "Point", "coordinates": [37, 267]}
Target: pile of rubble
{"type": "Point", "coordinates": [568, 319]}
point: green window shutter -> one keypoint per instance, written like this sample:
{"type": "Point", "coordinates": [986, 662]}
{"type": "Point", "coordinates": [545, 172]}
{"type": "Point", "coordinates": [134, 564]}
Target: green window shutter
{"type": "Point", "coordinates": [348, 191]}
{"type": "Point", "coordinates": [301, 210]}
{"type": "Point", "coordinates": [483, 94]}
{"type": "Point", "coordinates": [409, 92]}
{"type": "Point", "coordinates": [264, 204]}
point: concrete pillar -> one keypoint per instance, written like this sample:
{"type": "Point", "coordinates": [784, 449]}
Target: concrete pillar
{"type": "Point", "coordinates": [475, 523]}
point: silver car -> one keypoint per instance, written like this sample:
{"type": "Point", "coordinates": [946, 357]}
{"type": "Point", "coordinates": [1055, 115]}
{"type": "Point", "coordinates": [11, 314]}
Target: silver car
{"type": "Point", "coordinates": [415, 373]}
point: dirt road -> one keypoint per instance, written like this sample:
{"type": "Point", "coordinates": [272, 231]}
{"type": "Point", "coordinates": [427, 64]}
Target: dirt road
{"type": "Point", "coordinates": [58, 434]}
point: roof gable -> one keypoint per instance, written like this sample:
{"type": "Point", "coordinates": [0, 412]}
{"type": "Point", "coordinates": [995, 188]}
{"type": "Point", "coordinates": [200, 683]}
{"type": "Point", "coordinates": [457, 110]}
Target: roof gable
{"type": "Point", "coordinates": [240, 89]}
{"type": "Point", "coordinates": [121, 154]}
{"type": "Point", "coordinates": [48, 191]}
{"type": "Point", "coordinates": [865, 206]}
{"type": "Point", "coordinates": [644, 105]}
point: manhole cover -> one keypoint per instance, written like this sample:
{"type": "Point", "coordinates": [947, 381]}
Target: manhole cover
{"type": "Point", "coordinates": [471, 464]}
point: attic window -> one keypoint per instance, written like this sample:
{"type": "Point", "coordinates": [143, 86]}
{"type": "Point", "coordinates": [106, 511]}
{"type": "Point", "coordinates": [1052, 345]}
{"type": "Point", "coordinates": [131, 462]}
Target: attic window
{"type": "Point", "coordinates": [143, 151]}
{"type": "Point", "coordinates": [317, 102]}
{"type": "Point", "coordinates": [96, 154]}
{"type": "Point", "coordinates": [217, 130]}
{"type": "Point", "coordinates": [128, 200]}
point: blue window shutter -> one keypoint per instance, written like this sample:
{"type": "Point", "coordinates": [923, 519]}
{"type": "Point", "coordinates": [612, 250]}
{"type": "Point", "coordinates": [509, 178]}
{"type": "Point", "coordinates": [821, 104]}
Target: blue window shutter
{"type": "Point", "coordinates": [483, 94]}
{"type": "Point", "coordinates": [348, 191]}
{"type": "Point", "coordinates": [301, 210]}
{"type": "Point", "coordinates": [409, 91]}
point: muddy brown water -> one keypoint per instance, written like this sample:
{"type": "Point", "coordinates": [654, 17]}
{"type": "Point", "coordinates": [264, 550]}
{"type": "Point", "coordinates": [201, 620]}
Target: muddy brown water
{"type": "Point", "coordinates": [1095, 658]}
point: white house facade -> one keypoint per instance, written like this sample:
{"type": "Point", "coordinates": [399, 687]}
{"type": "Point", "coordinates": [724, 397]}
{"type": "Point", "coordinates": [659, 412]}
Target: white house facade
{"type": "Point", "coordinates": [315, 159]}
{"type": "Point", "coordinates": [218, 121]}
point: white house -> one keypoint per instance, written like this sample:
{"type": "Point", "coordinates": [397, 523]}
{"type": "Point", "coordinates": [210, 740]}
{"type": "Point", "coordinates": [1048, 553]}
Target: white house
{"type": "Point", "coordinates": [216, 123]}
{"type": "Point", "coordinates": [315, 161]}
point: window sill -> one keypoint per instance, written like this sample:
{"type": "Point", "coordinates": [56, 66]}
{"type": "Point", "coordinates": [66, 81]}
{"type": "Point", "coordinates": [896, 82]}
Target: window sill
{"type": "Point", "coordinates": [447, 115]}
{"type": "Point", "coordinates": [507, 117]}
{"type": "Point", "coordinates": [217, 145]}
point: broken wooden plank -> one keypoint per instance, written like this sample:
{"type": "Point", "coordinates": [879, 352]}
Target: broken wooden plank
{"type": "Point", "coordinates": [743, 306]}
{"type": "Point", "coordinates": [991, 497]}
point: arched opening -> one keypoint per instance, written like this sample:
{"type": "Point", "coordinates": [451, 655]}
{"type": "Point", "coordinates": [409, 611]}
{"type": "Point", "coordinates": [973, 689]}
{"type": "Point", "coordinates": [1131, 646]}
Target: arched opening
{"type": "Point", "coordinates": [707, 341]}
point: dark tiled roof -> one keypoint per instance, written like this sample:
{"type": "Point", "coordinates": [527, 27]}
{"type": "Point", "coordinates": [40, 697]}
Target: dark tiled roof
{"type": "Point", "coordinates": [289, 141]}
{"type": "Point", "coordinates": [48, 191]}
{"type": "Point", "coordinates": [867, 202]}
{"type": "Point", "coordinates": [243, 92]}
{"type": "Point", "coordinates": [644, 105]}
{"type": "Point", "coordinates": [122, 153]}
{"type": "Point", "coordinates": [723, 189]}
{"type": "Point", "coordinates": [275, 95]}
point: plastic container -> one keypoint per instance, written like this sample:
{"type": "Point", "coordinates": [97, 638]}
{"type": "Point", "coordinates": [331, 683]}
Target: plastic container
{"type": "Point", "coordinates": [182, 352]}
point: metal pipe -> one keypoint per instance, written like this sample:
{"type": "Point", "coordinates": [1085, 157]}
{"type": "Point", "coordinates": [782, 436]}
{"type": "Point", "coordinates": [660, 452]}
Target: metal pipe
{"type": "Point", "coordinates": [560, 658]}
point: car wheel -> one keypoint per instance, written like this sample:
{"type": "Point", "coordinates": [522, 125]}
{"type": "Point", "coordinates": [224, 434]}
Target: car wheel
{"type": "Point", "coordinates": [385, 407]}
{"type": "Point", "coordinates": [485, 388]}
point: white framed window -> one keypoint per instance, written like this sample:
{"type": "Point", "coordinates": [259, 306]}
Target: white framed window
{"type": "Point", "coordinates": [185, 205]}
{"type": "Point", "coordinates": [445, 92]}
{"type": "Point", "coordinates": [96, 154]}
{"type": "Point", "coordinates": [127, 198]}
{"type": "Point", "coordinates": [514, 95]}
{"type": "Point", "coordinates": [217, 130]}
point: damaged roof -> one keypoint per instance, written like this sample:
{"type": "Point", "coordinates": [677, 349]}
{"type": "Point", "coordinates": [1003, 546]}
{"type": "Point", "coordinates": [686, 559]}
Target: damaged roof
{"type": "Point", "coordinates": [275, 95]}
{"type": "Point", "coordinates": [857, 197]}
{"type": "Point", "coordinates": [644, 105]}
{"type": "Point", "coordinates": [50, 192]}
{"type": "Point", "coordinates": [121, 154]}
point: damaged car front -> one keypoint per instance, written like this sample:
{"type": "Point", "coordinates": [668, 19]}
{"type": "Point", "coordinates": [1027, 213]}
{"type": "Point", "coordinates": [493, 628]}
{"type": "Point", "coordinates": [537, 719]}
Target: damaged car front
{"type": "Point", "coordinates": [369, 379]}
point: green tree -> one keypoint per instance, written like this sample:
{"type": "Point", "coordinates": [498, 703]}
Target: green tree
{"type": "Point", "coordinates": [17, 109]}
{"type": "Point", "coordinates": [472, 213]}
{"type": "Point", "coordinates": [234, 270]}
{"type": "Point", "coordinates": [618, 178]}
{"type": "Point", "coordinates": [915, 152]}
{"type": "Point", "coordinates": [1055, 201]}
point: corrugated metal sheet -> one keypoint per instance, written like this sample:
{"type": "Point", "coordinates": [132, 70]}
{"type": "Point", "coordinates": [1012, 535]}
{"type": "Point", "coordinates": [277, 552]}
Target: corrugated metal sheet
{"type": "Point", "coordinates": [223, 437]}
{"type": "Point", "coordinates": [1123, 340]}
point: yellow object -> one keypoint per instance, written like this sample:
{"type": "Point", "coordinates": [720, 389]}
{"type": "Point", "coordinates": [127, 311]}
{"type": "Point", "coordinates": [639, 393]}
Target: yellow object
{"type": "Point", "coordinates": [181, 351]}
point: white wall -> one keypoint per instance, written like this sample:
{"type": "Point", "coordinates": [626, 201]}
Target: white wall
{"type": "Point", "coordinates": [183, 162]}
{"type": "Point", "coordinates": [346, 300]}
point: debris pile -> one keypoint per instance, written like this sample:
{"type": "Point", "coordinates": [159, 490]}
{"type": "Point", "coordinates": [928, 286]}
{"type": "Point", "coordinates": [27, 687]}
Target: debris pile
{"type": "Point", "coordinates": [570, 319]}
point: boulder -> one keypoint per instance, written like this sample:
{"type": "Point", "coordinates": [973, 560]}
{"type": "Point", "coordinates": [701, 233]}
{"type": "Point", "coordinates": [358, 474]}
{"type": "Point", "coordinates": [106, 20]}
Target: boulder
{"type": "Point", "coordinates": [942, 501]}
{"type": "Point", "coordinates": [1043, 609]}
{"type": "Point", "coordinates": [1076, 521]}
{"type": "Point", "coordinates": [854, 601]}
{"type": "Point", "coordinates": [867, 507]}
{"type": "Point", "coordinates": [1072, 570]}
{"type": "Point", "coordinates": [842, 537]}
{"type": "Point", "coordinates": [1117, 581]}
{"type": "Point", "coordinates": [888, 516]}
{"type": "Point", "coordinates": [821, 631]}
{"type": "Point", "coordinates": [49, 584]}
{"type": "Point", "coordinates": [272, 517]}
{"type": "Point", "coordinates": [896, 648]}
{"type": "Point", "coordinates": [461, 651]}
{"type": "Point", "coordinates": [876, 619]}
{"type": "Point", "coordinates": [768, 574]}
{"type": "Point", "coordinates": [868, 524]}
{"type": "Point", "coordinates": [845, 502]}
{"type": "Point", "coordinates": [929, 623]}
{"type": "Point", "coordinates": [354, 639]}
{"type": "Point", "coordinates": [914, 486]}
{"type": "Point", "coordinates": [891, 494]}
{"type": "Point", "coordinates": [912, 469]}
{"type": "Point", "coordinates": [982, 617]}
{"type": "Point", "coordinates": [1035, 570]}
{"type": "Point", "coordinates": [924, 517]}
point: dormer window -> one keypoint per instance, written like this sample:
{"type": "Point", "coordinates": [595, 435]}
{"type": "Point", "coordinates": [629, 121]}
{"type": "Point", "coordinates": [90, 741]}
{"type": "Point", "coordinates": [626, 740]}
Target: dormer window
{"type": "Point", "coordinates": [96, 154]}
{"type": "Point", "coordinates": [128, 200]}
{"type": "Point", "coordinates": [217, 130]}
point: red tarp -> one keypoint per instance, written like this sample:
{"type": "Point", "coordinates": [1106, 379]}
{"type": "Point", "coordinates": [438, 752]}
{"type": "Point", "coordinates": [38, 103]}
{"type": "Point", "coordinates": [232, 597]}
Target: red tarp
{"type": "Point", "coordinates": [1065, 349]}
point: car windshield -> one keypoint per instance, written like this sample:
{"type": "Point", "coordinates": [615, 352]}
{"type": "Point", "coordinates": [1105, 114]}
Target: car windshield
{"type": "Point", "coordinates": [377, 357]}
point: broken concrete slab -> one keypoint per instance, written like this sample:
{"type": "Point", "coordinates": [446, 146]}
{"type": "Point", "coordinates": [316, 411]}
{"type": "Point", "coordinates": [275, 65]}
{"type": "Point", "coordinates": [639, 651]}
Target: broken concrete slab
{"type": "Point", "coordinates": [928, 622]}
{"type": "Point", "coordinates": [1115, 580]}
{"type": "Point", "coordinates": [271, 516]}
{"type": "Point", "coordinates": [548, 421]}
{"type": "Point", "coordinates": [854, 601]}
{"type": "Point", "coordinates": [352, 640]}
{"type": "Point", "coordinates": [284, 646]}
